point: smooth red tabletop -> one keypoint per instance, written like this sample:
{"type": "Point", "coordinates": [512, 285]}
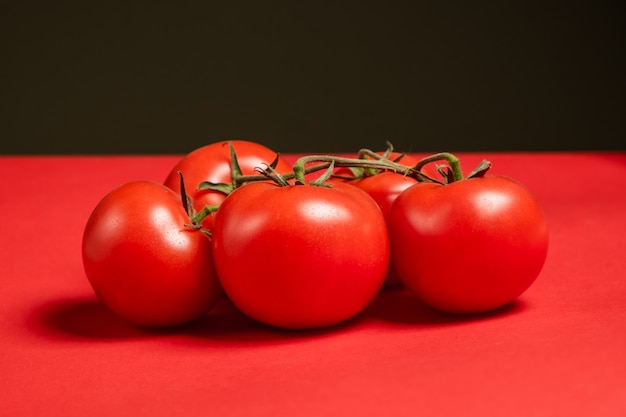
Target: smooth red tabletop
{"type": "Point", "coordinates": [559, 350]}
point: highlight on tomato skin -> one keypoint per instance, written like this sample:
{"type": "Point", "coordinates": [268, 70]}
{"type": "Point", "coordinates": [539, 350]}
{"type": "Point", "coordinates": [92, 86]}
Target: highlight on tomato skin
{"type": "Point", "coordinates": [143, 261]}
{"type": "Point", "coordinates": [300, 256]}
{"type": "Point", "coordinates": [470, 246]}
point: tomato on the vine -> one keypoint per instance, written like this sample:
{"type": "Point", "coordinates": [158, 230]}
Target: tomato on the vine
{"type": "Point", "coordinates": [300, 256]}
{"type": "Point", "coordinates": [143, 260]}
{"type": "Point", "coordinates": [468, 246]}
{"type": "Point", "coordinates": [213, 163]}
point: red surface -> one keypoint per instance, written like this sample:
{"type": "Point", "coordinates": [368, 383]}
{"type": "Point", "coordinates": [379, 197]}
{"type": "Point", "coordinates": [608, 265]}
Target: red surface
{"type": "Point", "coordinates": [560, 350]}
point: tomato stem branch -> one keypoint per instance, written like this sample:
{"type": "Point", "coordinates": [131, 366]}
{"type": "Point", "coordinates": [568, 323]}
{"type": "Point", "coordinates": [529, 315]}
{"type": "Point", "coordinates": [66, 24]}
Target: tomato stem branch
{"type": "Point", "coordinates": [367, 159]}
{"type": "Point", "coordinates": [453, 163]}
{"type": "Point", "coordinates": [243, 179]}
{"type": "Point", "coordinates": [300, 170]}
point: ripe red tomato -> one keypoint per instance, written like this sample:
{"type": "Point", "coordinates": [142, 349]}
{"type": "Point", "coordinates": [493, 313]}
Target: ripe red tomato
{"type": "Point", "coordinates": [300, 256]}
{"type": "Point", "coordinates": [143, 262]}
{"type": "Point", "coordinates": [384, 188]}
{"type": "Point", "coordinates": [213, 163]}
{"type": "Point", "coordinates": [469, 246]}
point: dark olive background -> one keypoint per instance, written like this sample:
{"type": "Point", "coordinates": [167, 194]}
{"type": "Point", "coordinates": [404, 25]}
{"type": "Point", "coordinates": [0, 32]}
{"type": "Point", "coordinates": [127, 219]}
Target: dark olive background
{"type": "Point", "coordinates": [169, 76]}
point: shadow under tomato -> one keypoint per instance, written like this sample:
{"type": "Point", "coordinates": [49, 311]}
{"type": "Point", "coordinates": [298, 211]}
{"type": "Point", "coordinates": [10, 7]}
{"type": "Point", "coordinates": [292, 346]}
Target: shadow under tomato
{"type": "Point", "coordinates": [392, 306]}
{"type": "Point", "coordinates": [398, 305]}
{"type": "Point", "coordinates": [79, 318]}
{"type": "Point", "coordinates": [83, 318]}
{"type": "Point", "coordinates": [227, 324]}
{"type": "Point", "coordinates": [87, 317]}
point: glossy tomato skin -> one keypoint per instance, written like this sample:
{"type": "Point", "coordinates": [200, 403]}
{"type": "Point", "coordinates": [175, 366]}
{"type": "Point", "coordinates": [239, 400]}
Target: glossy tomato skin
{"type": "Point", "coordinates": [300, 256]}
{"type": "Point", "coordinates": [141, 260]}
{"type": "Point", "coordinates": [469, 246]}
{"type": "Point", "coordinates": [213, 163]}
{"type": "Point", "coordinates": [384, 188]}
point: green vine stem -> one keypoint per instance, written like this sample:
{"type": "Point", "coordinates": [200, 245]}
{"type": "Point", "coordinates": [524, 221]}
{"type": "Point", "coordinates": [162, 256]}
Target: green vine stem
{"type": "Point", "coordinates": [367, 160]}
{"type": "Point", "coordinates": [300, 170]}
{"type": "Point", "coordinates": [243, 179]}
{"type": "Point", "coordinates": [453, 163]}
{"type": "Point", "coordinates": [194, 217]}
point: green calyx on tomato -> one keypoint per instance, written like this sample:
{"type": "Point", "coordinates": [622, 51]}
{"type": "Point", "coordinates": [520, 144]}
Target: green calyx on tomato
{"type": "Point", "coordinates": [237, 176]}
{"type": "Point", "coordinates": [195, 217]}
{"type": "Point", "coordinates": [452, 172]}
{"type": "Point", "coordinates": [219, 169]}
{"type": "Point", "coordinates": [352, 172]}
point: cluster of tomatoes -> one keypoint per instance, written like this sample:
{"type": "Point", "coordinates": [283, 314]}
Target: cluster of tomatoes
{"type": "Point", "coordinates": [292, 252]}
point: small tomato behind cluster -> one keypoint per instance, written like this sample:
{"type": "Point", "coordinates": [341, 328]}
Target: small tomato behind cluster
{"type": "Point", "coordinates": [213, 163]}
{"type": "Point", "coordinates": [384, 188]}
